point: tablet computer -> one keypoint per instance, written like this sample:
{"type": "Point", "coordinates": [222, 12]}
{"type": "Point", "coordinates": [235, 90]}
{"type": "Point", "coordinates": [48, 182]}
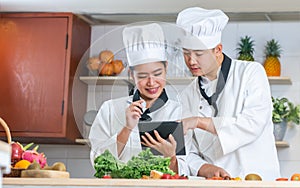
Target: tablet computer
{"type": "Point", "coordinates": [164, 128]}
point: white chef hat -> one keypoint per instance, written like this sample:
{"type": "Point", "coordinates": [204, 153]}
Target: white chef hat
{"type": "Point", "coordinates": [144, 44]}
{"type": "Point", "coordinates": [203, 27]}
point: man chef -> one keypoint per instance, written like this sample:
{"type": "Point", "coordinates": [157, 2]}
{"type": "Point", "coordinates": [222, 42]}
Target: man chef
{"type": "Point", "coordinates": [229, 104]}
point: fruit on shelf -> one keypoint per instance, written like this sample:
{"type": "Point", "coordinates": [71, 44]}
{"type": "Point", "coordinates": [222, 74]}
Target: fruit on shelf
{"type": "Point", "coordinates": [33, 155]}
{"type": "Point", "coordinates": [59, 166]}
{"type": "Point", "coordinates": [34, 166]}
{"type": "Point", "coordinates": [22, 164]}
{"type": "Point", "coordinates": [272, 53]}
{"type": "Point", "coordinates": [118, 66]}
{"type": "Point", "coordinates": [246, 49]}
{"type": "Point", "coordinates": [106, 69]}
{"type": "Point", "coordinates": [17, 150]}
{"type": "Point", "coordinates": [106, 56]}
{"type": "Point", "coordinates": [108, 65]}
{"type": "Point", "coordinates": [93, 63]}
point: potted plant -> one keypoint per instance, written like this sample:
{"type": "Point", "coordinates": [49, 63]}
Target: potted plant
{"type": "Point", "coordinates": [284, 111]}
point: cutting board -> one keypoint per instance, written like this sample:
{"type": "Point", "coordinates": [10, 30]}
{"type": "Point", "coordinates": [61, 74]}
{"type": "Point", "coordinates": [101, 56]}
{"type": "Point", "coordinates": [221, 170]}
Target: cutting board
{"type": "Point", "coordinates": [44, 174]}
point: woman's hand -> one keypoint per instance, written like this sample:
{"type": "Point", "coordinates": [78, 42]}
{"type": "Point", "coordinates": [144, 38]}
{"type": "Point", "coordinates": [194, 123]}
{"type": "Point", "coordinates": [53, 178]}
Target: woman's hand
{"type": "Point", "coordinates": [166, 148]}
{"type": "Point", "coordinates": [133, 113]}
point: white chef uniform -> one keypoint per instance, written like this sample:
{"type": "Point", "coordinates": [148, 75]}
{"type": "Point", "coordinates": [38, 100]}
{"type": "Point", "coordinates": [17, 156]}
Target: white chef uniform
{"type": "Point", "coordinates": [143, 44]}
{"type": "Point", "coordinates": [244, 142]}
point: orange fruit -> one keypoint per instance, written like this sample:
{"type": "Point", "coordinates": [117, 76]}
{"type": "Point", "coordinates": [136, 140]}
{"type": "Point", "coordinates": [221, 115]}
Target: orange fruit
{"type": "Point", "coordinates": [295, 177]}
{"type": "Point", "coordinates": [22, 164]}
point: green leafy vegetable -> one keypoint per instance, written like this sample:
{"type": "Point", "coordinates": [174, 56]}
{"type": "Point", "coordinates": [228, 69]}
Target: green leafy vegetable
{"type": "Point", "coordinates": [284, 110]}
{"type": "Point", "coordinates": [106, 163]}
{"type": "Point", "coordinates": [135, 168]}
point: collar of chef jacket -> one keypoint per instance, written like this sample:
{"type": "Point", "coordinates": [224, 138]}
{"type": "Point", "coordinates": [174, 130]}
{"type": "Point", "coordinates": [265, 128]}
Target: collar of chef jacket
{"type": "Point", "coordinates": [222, 77]}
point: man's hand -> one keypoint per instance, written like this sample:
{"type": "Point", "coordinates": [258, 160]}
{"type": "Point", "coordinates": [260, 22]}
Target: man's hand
{"type": "Point", "coordinates": [204, 123]}
{"type": "Point", "coordinates": [189, 123]}
{"type": "Point", "coordinates": [209, 171]}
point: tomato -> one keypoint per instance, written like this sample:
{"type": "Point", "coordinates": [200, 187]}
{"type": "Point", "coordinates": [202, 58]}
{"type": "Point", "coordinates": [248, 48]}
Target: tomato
{"type": "Point", "coordinates": [176, 176]}
{"type": "Point", "coordinates": [106, 177]}
{"type": "Point", "coordinates": [166, 176]}
{"type": "Point", "coordinates": [295, 177]}
{"type": "Point", "coordinates": [282, 179]}
{"type": "Point", "coordinates": [215, 178]}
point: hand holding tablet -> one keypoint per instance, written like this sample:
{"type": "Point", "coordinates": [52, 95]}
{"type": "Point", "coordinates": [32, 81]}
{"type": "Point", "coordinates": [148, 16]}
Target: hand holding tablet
{"type": "Point", "coordinates": [164, 128]}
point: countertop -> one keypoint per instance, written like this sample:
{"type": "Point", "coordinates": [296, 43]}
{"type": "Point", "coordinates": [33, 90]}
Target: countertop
{"type": "Point", "coordinates": [77, 182]}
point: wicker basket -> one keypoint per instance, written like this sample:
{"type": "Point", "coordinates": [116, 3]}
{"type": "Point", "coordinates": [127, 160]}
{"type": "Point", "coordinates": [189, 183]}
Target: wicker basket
{"type": "Point", "coordinates": [15, 172]}
{"type": "Point", "coordinates": [7, 131]}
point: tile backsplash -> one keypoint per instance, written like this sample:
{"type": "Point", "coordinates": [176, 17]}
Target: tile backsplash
{"type": "Point", "coordinates": [75, 157]}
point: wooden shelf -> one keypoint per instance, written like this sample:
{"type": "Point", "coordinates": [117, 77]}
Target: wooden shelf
{"type": "Point", "coordinates": [112, 80]}
{"type": "Point", "coordinates": [279, 144]}
{"type": "Point", "coordinates": [282, 144]}
{"type": "Point", "coordinates": [104, 80]}
{"type": "Point", "coordinates": [82, 141]}
{"type": "Point", "coordinates": [276, 80]}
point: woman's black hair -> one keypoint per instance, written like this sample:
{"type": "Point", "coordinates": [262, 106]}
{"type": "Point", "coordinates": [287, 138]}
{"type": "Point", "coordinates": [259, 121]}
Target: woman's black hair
{"type": "Point", "coordinates": [163, 62]}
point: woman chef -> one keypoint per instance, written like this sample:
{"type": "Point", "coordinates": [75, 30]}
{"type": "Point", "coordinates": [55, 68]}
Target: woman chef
{"type": "Point", "coordinates": [229, 104]}
{"type": "Point", "coordinates": [115, 127]}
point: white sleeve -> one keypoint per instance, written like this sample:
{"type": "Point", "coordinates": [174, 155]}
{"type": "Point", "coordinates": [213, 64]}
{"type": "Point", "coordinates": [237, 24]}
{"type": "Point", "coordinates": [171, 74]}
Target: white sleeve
{"type": "Point", "coordinates": [182, 166]}
{"type": "Point", "coordinates": [194, 160]}
{"type": "Point", "coordinates": [100, 134]}
{"type": "Point", "coordinates": [254, 112]}
{"type": "Point", "coordinates": [103, 135]}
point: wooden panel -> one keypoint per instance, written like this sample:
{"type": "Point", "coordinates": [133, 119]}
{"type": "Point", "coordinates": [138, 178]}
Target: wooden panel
{"type": "Point", "coordinates": [39, 55]}
{"type": "Point", "coordinates": [32, 60]}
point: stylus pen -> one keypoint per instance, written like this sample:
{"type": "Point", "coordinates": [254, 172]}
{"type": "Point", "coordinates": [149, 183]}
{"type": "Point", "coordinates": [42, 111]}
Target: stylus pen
{"type": "Point", "coordinates": [143, 103]}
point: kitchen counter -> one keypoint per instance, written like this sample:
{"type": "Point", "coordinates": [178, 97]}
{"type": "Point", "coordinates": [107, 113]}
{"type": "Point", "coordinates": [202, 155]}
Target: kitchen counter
{"type": "Point", "coordinates": [122, 183]}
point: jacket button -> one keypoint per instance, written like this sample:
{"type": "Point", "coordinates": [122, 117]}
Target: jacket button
{"type": "Point", "coordinates": [200, 107]}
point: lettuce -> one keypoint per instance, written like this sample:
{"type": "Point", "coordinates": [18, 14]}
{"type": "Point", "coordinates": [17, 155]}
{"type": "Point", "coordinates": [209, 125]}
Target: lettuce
{"type": "Point", "coordinates": [135, 168]}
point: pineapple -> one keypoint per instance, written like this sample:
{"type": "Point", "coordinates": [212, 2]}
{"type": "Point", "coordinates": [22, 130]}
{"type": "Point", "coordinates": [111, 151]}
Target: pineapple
{"type": "Point", "coordinates": [272, 63]}
{"type": "Point", "coordinates": [246, 49]}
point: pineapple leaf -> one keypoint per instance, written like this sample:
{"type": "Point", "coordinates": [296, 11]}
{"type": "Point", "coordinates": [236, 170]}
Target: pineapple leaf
{"type": "Point", "coordinates": [246, 48]}
{"type": "Point", "coordinates": [273, 48]}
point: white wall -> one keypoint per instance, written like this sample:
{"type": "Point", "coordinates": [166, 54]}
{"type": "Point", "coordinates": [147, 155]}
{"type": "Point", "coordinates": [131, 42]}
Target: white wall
{"type": "Point", "coordinates": [287, 33]}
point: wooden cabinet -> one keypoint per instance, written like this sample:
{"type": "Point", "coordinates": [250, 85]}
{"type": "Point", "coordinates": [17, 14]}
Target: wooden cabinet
{"type": "Point", "coordinates": [39, 55]}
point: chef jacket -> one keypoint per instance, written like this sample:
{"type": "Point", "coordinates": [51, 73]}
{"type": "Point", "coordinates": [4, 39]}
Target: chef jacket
{"type": "Point", "coordinates": [111, 119]}
{"type": "Point", "coordinates": [244, 142]}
